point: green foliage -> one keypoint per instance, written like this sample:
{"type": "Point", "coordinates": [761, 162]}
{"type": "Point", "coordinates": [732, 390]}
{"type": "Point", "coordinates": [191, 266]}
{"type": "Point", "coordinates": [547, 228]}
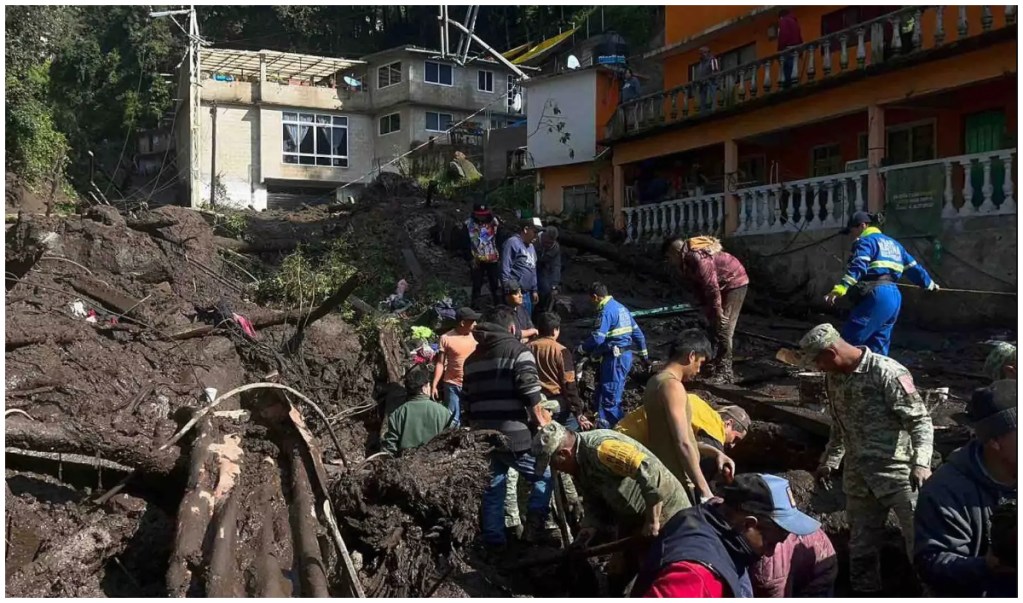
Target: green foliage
{"type": "Point", "coordinates": [517, 194]}
{"type": "Point", "coordinates": [302, 280]}
{"type": "Point", "coordinates": [36, 149]}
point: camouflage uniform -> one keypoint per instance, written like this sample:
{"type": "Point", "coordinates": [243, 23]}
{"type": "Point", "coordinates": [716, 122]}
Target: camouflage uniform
{"type": "Point", "coordinates": [618, 478]}
{"type": "Point", "coordinates": [994, 365]}
{"type": "Point", "coordinates": [882, 428]}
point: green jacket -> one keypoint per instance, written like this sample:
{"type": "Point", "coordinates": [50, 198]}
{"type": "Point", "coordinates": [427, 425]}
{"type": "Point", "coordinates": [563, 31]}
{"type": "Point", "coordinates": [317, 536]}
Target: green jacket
{"type": "Point", "coordinates": [414, 423]}
{"type": "Point", "coordinates": [620, 478]}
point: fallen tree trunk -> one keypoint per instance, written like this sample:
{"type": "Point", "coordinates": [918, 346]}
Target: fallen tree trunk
{"type": "Point", "coordinates": [611, 252]}
{"type": "Point", "coordinates": [111, 298]}
{"type": "Point", "coordinates": [53, 437]}
{"type": "Point", "coordinates": [194, 515]}
{"type": "Point", "coordinates": [304, 526]}
{"type": "Point", "coordinates": [268, 246]}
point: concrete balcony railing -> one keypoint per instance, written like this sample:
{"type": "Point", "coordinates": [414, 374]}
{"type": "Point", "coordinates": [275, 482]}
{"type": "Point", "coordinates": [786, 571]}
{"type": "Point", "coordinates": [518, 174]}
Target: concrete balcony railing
{"type": "Point", "coordinates": [899, 37]}
{"type": "Point", "coordinates": [992, 171]}
{"type": "Point", "coordinates": [974, 185]}
{"type": "Point", "coordinates": [692, 216]}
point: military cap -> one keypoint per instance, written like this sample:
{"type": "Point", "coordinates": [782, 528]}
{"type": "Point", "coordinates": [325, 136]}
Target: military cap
{"type": "Point", "coordinates": [1004, 353]}
{"type": "Point", "coordinates": [817, 340]}
{"type": "Point", "coordinates": [546, 442]}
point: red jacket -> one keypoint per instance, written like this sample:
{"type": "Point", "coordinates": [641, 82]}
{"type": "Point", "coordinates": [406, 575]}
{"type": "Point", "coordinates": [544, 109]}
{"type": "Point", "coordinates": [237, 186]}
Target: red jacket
{"type": "Point", "coordinates": [801, 566]}
{"type": "Point", "coordinates": [788, 32]}
{"type": "Point", "coordinates": [687, 579]}
{"type": "Point", "coordinates": [713, 274]}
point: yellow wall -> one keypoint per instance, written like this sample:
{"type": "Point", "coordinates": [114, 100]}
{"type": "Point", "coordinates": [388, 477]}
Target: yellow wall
{"type": "Point", "coordinates": [556, 178]}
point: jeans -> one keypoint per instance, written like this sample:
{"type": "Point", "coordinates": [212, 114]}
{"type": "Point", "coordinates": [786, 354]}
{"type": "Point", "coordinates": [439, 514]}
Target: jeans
{"type": "Point", "coordinates": [786, 71]}
{"type": "Point", "coordinates": [494, 496]}
{"type": "Point", "coordinates": [452, 397]}
{"type": "Point", "coordinates": [527, 302]}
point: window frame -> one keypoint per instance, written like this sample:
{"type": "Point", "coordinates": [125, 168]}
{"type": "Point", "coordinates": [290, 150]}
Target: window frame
{"type": "Point", "coordinates": [426, 120]}
{"type": "Point", "coordinates": [339, 122]}
{"type": "Point", "coordinates": [910, 126]}
{"type": "Point", "coordinates": [579, 191]}
{"type": "Point", "coordinates": [480, 73]}
{"type": "Point", "coordinates": [839, 165]}
{"type": "Point", "coordinates": [390, 72]}
{"type": "Point", "coordinates": [380, 123]}
{"type": "Point", "coordinates": [451, 69]}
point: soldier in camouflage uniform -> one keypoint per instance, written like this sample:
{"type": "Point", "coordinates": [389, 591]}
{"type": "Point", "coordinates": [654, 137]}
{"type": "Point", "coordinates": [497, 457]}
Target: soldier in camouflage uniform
{"type": "Point", "coordinates": [621, 482]}
{"type": "Point", "coordinates": [883, 430]}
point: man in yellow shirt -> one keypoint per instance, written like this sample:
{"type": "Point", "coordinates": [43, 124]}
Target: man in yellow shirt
{"type": "Point", "coordinates": [715, 430]}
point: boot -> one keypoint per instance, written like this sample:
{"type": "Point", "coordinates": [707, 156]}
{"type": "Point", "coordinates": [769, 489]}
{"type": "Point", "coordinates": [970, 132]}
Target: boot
{"type": "Point", "coordinates": [538, 532]}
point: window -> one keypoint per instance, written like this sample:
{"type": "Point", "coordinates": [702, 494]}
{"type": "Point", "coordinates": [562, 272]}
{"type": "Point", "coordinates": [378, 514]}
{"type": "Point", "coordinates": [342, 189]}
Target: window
{"type": "Point", "coordinates": [862, 150]}
{"type": "Point", "coordinates": [390, 123]}
{"type": "Point", "coordinates": [438, 122]}
{"type": "Point", "coordinates": [438, 73]}
{"type": "Point", "coordinates": [911, 142]}
{"type": "Point", "coordinates": [731, 59]}
{"type": "Point", "coordinates": [315, 139]}
{"type": "Point", "coordinates": [485, 81]}
{"type": "Point", "coordinates": [511, 92]}
{"type": "Point", "coordinates": [751, 171]}
{"type": "Point", "coordinates": [851, 16]}
{"type": "Point", "coordinates": [825, 160]}
{"type": "Point", "coordinates": [576, 200]}
{"type": "Point", "coordinates": [389, 75]}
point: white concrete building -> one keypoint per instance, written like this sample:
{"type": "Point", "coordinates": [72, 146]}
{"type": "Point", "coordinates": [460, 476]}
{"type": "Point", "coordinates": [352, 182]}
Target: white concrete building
{"type": "Point", "coordinates": [275, 129]}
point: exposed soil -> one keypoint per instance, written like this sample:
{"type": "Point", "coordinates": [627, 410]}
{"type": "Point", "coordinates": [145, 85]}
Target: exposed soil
{"type": "Point", "coordinates": [113, 392]}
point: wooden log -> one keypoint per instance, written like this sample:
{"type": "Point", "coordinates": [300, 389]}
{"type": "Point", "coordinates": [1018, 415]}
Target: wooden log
{"type": "Point", "coordinates": [612, 252]}
{"type": "Point", "coordinates": [267, 246]}
{"type": "Point", "coordinates": [112, 299]}
{"type": "Point", "coordinates": [194, 516]}
{"type": "Point", "coordinates": [302, 318]}
{"type": "Point", "coordinates": [68, 437]}
{"type": "Point", "coordinates": [304, 526]}
{"type": "Point", "coordinates": [768, 409]}
{"type": "Point", "coordinates": [222, 579]}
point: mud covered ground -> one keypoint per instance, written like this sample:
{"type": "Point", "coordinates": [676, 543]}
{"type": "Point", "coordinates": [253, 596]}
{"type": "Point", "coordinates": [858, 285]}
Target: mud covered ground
{"type": "Point", "coordinates": [113, 391]}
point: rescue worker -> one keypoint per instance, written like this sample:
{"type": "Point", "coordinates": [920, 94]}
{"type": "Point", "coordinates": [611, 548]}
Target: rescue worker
{"type": "Point", "coordinates": [418, 420]}
{"type": "Point", "coordinates": [484, 259]}
{"type": "Point", "coordinates": [518, 261]}
{"type": "Point", "coordinates": [707, 551]}
{"type": "Point", "coordinates": [621, 482]}
{"type": "Point", "coordinates": [1001, 362]}
{"type": "Point", "coordinates": [956, 532]}
{"type": "Point", "coordinates": [720, 282]}
{"type": "Point", "coordinates": [669, 415]}
{"type": "Point", "coordinates": [612, 340]}
{"type": "Point", "coordinates": [875, 265]}
{"type": "Point", "coordinates": [501, 391]}
{"type": "Point", "coordinates": [882, 428]}
{"type": "Point", "coordinates": [557, 373]}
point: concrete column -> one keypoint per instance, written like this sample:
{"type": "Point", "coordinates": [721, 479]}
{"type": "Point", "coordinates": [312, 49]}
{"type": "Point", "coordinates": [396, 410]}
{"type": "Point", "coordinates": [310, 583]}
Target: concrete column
{"type": "Point", "coordinates": [876, 143]}
{"type": "Point", "coordinates": [731, 176]}
{"type": "Point", "coordinates": [617, 197]}
{"type": "Point", "coordinates": [262, 77]}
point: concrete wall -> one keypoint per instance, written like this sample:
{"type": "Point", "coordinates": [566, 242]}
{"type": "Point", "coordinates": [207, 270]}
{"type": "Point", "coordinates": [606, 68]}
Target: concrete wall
{"type": "Point", "coordinates": [575, 96]}
{"type": "Point", "coordinates": [250, 153]}
{"type": "Point", "coordinates": [389, 146]}
{"type": "Point", "coordinates": [498, 144]}
{"type": "Point", "coordinates": [979, 254]}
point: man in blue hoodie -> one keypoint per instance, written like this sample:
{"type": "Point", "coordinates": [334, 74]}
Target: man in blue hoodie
{"type": "Point", "coordinates": [518, 261]}
{"type": "Point", "coordinates": [958, 552]}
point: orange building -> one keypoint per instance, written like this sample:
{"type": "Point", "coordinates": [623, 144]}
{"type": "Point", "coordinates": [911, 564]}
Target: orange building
{"type": "Point", "coordinates": [768, 133]}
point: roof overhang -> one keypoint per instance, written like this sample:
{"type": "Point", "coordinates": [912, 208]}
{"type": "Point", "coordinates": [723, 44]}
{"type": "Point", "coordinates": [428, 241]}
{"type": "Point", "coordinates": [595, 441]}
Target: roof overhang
{"type": "Point", "coordinates": [285, 64]}
{"type": "Point", "coordinates": [699, 39]}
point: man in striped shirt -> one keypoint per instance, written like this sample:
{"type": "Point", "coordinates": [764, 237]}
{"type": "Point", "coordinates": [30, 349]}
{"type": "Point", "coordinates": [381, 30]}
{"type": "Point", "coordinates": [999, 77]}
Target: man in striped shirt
{"type": "Point", "coordinates": [501, 391]}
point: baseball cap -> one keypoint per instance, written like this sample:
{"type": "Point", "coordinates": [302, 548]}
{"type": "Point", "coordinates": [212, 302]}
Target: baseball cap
{"type": "Point", "coordinates": [511, 286]}
{"type": "Point", "coordinates": [546, 442]}
{"type": "Point", "coordinates": [769, 496]}
{"type": "Point", "coordinates": [991, 411]}
{"type": "Point", "coordinates": [533, 223]}
{"type": "Point", "coordinates": [1004, 353]}
{"type": "Point", "coordinates": [481, 209]}
{"type": "Point", "coordinates": [860, 217]}
{"type": "Point", "coordinates": [816, 340]}
{"type": "Point", "coordinates": [467, 313]}
{"type": "Point", "coordinates": [738, 415]}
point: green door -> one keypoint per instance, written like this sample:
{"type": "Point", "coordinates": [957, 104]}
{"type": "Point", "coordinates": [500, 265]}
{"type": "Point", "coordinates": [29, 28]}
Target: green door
{"type": "Point", "coordinates": [985, 132]}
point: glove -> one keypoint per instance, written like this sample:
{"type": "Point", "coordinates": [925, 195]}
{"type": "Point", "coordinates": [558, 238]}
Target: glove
{"type": "Point", "coordinates": [830, 299]}
{"type": "Point", "coordinates": [933, 286]}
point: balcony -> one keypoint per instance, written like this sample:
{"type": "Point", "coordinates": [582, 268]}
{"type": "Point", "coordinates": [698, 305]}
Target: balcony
{"type": "Point", "coordinates": [920, 33]}
{"type": "Point", "coordinates": [980, 184]}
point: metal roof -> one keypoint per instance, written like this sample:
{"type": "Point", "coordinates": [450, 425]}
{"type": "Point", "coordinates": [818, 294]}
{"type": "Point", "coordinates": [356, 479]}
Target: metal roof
{"type": "Point", "coordinates": [286, 64]}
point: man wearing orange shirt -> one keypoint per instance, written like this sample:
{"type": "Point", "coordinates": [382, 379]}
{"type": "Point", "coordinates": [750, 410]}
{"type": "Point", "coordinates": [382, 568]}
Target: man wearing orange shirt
{"type": "Point", "coordinates": [455, 347]}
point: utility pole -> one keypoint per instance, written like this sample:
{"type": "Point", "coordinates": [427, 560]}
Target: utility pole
{"type": "Point", "coordinates": [194, 100]}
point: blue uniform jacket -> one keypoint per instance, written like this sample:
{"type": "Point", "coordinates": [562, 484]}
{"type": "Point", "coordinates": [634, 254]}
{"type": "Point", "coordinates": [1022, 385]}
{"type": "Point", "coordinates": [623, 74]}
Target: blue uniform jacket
{"type": "Point", "coordinates": [617, 327]}
{"type": "Point", "coordinates": [875, 254]}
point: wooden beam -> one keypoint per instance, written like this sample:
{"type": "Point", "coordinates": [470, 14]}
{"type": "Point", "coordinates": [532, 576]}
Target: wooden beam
{"type": "Point", "coordinates": [768, 409]}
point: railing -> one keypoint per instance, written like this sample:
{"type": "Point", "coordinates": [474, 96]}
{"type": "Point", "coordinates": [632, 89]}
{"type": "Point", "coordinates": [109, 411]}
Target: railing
{"type": "Point", "coordinates": [810, 204]}
{"type": "Point", "coordinates": [976, 184]}
{"type": "Point", "coordinates": [866, 44]}
{"type": "Point", "coordinates": [658, 221]}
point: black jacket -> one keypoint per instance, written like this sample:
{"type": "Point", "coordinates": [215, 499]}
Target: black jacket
{"type": "Point", "coordinates": [953, 528]}
{"type": "Point", "coordinates": [701, 535]}
{"type": "Point", "coordinates": [500, 384]}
